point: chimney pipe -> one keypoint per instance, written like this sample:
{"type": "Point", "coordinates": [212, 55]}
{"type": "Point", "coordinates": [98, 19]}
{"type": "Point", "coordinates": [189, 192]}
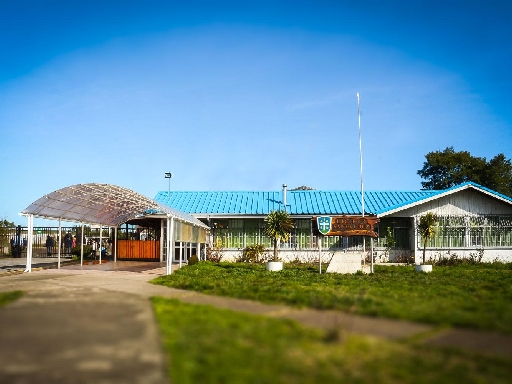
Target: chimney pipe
{"type": "Point", "coordinates": [284, 196]}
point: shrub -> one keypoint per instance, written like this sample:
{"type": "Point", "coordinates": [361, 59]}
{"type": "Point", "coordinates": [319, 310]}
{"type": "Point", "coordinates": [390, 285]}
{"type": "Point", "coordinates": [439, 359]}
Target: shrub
{"type": "Point", "coordinates": [404, 257]}
{"type": "Point", "coordinates": [453, 259]}
{"type": "Point", "coordinates": [215, 253]}
{"type": "Point", "coordinates": [75, 251]}
{"type": "Point", "coordinates": [193, 260]}
{"type": "Point", "coordinates": [253, 254]}
{"type": "Point", "coordinates": [390, 241]}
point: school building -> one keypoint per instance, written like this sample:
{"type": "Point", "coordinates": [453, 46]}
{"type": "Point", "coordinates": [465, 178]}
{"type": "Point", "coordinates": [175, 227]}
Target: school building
{"type": "Point", "coordinates": [473, 220]}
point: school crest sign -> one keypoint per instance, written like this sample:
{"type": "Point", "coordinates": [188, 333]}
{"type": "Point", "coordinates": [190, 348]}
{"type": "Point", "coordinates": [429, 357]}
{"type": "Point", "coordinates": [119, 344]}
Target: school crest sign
{"type": "Point", "coordinates": [347, 225]}
{"type": "Point", "coordinates": [324, 224]}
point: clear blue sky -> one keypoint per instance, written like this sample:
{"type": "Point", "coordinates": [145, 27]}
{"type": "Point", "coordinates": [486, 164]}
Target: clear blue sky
{"type": "Point", "coordinates": [246, 95]}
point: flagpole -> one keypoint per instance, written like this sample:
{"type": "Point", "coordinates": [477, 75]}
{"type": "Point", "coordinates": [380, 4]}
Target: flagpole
{"type": "Point", "coordinates": [360, 152]}
{"type": "Point", "coordinates": [361, 173]}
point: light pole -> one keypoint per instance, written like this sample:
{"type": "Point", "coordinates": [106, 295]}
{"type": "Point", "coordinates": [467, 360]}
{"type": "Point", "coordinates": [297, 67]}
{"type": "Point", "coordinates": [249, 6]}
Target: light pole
{"type": "Point", "coordinates": [168, 175]}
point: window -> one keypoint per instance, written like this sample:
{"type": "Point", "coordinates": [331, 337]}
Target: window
{"type": "Point", "coordinates": [301, 236]}
{"type": "Point", "coordinates": [487, 231]}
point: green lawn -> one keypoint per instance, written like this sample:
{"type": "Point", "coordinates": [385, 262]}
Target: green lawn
{"type": "Point", "coordinates": [210, 345]}
{"type": "Point", "coordinates": [7, 297]}
{"type": "Point", "coordinates": [476, 296]}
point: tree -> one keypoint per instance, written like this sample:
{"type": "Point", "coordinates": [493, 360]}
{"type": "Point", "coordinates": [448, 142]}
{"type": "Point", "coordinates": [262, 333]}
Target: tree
{"type": "Point", "coordinates": [5, 228]}
{"type": "Point", "coordinates": [278, 225]}
{"type": "Point", "coordinates": [427, 229]}
{"type": "Point", "coordinates": [498, 175]}
{"type": "Point", "coordinates": [448, 168]}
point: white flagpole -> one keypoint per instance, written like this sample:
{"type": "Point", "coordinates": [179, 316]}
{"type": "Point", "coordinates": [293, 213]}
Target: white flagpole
{"type": "Point", "coordinates": [361, 173]}
{"type": "Point", "coordinates": [360, 152]}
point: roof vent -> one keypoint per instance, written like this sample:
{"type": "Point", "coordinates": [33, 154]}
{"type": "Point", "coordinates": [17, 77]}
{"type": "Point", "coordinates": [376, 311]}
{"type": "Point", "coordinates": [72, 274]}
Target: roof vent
{"type": "Point", "coordinates": [284, 195]}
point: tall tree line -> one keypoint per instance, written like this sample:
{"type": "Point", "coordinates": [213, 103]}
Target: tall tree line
{"type": "Point", "coordinates": [445, 169]}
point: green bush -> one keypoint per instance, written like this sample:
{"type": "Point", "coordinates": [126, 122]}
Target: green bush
{"type": "Point", "coordinates": [215, 253]}
{"type": "Point", "coordinates": [75, 251]}
{"type": "Point", "coordinates": [453, 259]}
{"type": "Point", "coordinates": [193, 260]}
{"type": "Point", "coordinates": [253, 254]}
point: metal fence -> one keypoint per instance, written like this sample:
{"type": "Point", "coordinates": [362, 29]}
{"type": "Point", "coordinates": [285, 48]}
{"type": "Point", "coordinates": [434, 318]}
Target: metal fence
{"type": "Point", "coordinates": [13, 241]}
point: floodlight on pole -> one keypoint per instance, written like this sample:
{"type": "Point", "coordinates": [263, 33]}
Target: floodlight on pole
{"type": "Point", "coordinates": [168, 175]}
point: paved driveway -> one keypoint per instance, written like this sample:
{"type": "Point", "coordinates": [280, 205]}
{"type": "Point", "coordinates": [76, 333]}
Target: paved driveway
{"type": "Point", "coordinates": [69, 328]}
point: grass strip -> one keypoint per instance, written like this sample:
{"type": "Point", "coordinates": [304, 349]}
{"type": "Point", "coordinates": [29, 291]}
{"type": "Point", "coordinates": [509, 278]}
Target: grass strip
{"type": "Point", "coordinates": [210, 345]}
{"type": "Point", "coordinates": [475, 296]}
{"type": "Point", "coordinates": [7, 297]}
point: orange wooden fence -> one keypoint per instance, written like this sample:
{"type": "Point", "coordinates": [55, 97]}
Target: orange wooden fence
{"type": "Point", "coordinates": [138, 249]}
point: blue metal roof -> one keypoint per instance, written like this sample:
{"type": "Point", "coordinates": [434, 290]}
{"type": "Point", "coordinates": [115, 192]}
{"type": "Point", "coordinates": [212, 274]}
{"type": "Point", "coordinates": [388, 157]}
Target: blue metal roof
{"type": "Point", "coordinates": [309, 202]}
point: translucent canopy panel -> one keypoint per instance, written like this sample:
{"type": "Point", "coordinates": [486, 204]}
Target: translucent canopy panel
{"type": "Point", "coordinates": [101, 204]}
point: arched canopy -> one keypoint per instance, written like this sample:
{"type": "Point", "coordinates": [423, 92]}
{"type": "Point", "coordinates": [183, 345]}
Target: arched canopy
{"type": "Point", "coordinates": [103, 204]}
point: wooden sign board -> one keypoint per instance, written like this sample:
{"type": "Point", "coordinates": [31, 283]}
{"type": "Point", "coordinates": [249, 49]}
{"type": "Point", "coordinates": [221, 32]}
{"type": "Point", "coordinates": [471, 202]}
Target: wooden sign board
{"type": "Point", "coordinates": [347, 225]}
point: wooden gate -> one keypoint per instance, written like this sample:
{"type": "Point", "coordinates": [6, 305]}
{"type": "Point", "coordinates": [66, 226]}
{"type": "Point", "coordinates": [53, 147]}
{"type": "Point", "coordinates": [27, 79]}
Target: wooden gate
{"type": "Point", "coordinates": [138, 249]}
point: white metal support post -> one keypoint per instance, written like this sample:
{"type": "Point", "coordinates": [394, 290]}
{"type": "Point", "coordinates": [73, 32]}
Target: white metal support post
{"type": "Point", "coordinates": [115, 244]}
{"type": "Point", "coordinates": [82, 246]}
{"type": "Point", "coordinates": [161, 240]}
{"type": "Point", "coordinates": [101, 240]}
{"type": "Point", "coordinates": [172, 248]}
{"type": "Point", "coordinates": [181, 252]}
{"type": "Point", "coordinates": [169, 244]}
{"type": "Point", "coordinates": [30, 240]}
{"type": "Point", "coordinates": [371, 254]}
{"type": "Point", "coordinates": [320, 252]}
{"type": "Point", "coordinates": [59, 243]}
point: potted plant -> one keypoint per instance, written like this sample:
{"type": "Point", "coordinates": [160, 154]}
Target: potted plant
{"type": "Point", "coordinates": [427, 230]}
{"type": "Point", "coordinates": [278, 225]}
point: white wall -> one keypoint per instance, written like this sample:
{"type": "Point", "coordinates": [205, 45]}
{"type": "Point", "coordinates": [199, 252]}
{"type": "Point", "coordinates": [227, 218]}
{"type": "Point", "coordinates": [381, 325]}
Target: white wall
{"type": "Point", "coordinates": [466, 202]}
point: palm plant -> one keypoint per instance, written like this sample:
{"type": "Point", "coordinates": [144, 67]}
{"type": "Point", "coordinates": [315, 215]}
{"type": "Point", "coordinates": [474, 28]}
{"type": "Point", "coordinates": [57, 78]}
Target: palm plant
{"type": "Point", "coordinates": [390, 241]}
{"type": "Point", "coordinates": [278, 225]}
{"type": "Point", "coordinates": [427, 229]}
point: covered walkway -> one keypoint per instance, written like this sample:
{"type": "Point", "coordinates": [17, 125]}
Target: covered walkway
{"type": "Point", "coordinates": [110, 206]}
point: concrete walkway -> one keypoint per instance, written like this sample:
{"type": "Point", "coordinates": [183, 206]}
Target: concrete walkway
{"type": "Point", "coordinates": [95, 324]}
